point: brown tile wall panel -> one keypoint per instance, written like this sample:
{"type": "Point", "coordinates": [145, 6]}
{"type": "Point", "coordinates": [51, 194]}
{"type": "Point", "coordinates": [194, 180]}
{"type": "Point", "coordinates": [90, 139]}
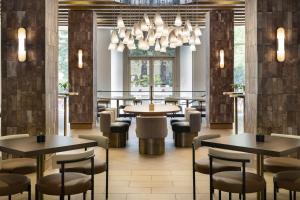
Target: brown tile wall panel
{"type": "Point", "coordinates": [29, 89]}
{"type": "Point", "coordinates": [221, 31]}
{"type": "Point", "coordinates": [273, 88]}
{"type": "Point", "coordinates": [82, 29]}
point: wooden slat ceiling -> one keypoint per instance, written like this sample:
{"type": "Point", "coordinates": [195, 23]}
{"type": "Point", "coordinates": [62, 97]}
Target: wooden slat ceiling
{"type": "Point", "coordinates": [107, 11]}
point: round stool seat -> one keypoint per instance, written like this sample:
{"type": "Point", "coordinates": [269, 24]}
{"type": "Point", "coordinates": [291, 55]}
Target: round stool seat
{"type": "Point", "coordinates": [75, 183]}
{"type": "Point", "coordinates": [289, 180]}
{"type": "Point", "coordinates": [232, 181]}
{"type": "Point", "coordinates": [119, 127]}
{"type": "Point", "coordinates": [18, 166]}
{"type": "Point", "coordinates": [99, 167]}
{"type": "Point", "coordinates": [181, 127]}
{"type": "Point", "coordinates": [279, 164]}
{"type": "Point", "coordinates": [182, 119]}
{"type": "Point", "coordinates": [13, 184]}
{"type": "Point", "coordinates": [125, 120]}
{"type": "Point", "coordinates": [202, 166]}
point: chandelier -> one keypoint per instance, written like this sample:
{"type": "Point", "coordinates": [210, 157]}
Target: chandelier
{"type": "Point", "coordinates": [154, 33]}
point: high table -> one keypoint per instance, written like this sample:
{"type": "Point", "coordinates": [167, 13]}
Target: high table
{"type": "Point", "coordinates": [236, 96]}
{"type": "Point", "coordinates": [273, 146]}
{"type": "Point", "coordinates": [28, 147]}
{"type": "Point", "coordinates": [159, 110]}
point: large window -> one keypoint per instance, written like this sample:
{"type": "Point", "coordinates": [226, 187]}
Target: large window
{"type": "Point", "coordinates": [151, 68]}
{"type": "Point", "coordinates": [63, 56]}
{"type": "Point", "coordinates": [239, 55]}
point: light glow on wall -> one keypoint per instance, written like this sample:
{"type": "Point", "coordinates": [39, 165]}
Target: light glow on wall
{"type": "Point", "coordinates": [222, 60]}
{"type": "Point", "coordinates": [21, 45]}
{"type": "Point", "coordinates": [280, 44]}
{"type": "Point", "coordinates": [80, 59]}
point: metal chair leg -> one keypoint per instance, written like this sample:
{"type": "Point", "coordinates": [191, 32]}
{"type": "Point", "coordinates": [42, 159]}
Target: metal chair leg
{"type": "Point", "coordinates": [265, 194]}
{"type": "Point", "coordinates": [194, 185]}
{"type": "Point", "coordinates": [29, 192]}
{"type": "Point", "coordinates": [62, 197]}
{"type": "Point", "coordinates": [36, 193]}
{"type": "Point", "coordinates": [84, 196]}
{"type": "Point", "coordinates": [9, 197]}
{"type": "Point", "coordinates": [69, 197]}
{"type": "Point", "coordinates": [220, 195]}
{"type": "Point", "coordinates": [291, 198]}
{"type": "Point", "coordinates": [295, 195]}
{"type": "Point", "coordinates": [230, 196]}
{"type": "Point", "coordinates": [106, 189]}
{"type": "Point", "coordinates": [240, 196]}
{"type": "Point", "coordinates": [275, 191]}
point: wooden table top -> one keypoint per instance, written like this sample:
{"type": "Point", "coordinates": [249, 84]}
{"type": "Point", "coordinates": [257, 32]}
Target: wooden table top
{"type": "Point", "coordinates": [273, 146]}
{"type": "Point", "coordinates": [29, 146]}
{"type": "Point", "coordinates": [159, 109]}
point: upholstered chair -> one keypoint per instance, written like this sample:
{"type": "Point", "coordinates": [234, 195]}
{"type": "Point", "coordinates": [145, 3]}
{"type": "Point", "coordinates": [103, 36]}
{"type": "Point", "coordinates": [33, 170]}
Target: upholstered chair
{"type": "Point", "coordinates": [115, 131]}
{"type": "Point", "coordinates": [68, 183]}
{"type": "Point", "coordinates": [184, 132]}
{"type": "Point", "coordinates": [183, 119]}
{"type": "Point", "coordinates": [239, 182]}
{"type": "Point", "coordinates": [100, 165]}
{"type": "Point", "coordinates": [288, 180]}
{"type": "Point", "coordinates": [17, 165]}
{"type": "Point", "coordinates": [151, 132]}
{"type": "Point", "coordinates": [202, 165]}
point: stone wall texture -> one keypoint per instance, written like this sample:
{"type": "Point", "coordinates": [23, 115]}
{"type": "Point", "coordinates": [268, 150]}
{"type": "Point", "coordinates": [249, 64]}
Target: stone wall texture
{"type": "Point", "coordinates": [272, 88]}
{"type": "Point", "coordinates": [82, 35]}
{"type": "Point", "coordinates": [220, 24]}
{"type": "Point", "coordinates": [29, 89]}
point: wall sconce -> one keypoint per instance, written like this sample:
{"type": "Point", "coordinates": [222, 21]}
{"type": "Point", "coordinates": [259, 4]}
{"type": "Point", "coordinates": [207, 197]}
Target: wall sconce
{"type": "Point", "coordinates": [222, 62]}
{"type": "Point", "coordinates": [21, 45]}
{"type": "Point", "coordinates": [280, 44]}
{"type": "Point", "coordinates": [80, 61]}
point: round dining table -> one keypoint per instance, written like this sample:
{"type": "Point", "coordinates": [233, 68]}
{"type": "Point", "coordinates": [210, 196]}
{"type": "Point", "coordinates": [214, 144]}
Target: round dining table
{"type": "Point", "coordinates": [159, 110]}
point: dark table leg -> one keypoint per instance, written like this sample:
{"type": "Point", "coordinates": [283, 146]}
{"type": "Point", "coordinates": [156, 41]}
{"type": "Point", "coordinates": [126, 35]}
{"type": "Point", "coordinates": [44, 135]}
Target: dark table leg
{"type": "Point", "coordinates": [236, 115]}
{"type": "Point", "coordinates": [40, 171]}
{"type": "Point", "coordinates": [65, 116]}
{"type": "Point", "coordinates": [260, 171]}
{"type": "Point", "coordinates": [118, 104]}
{"type": "Point", "coordinates": [187, 103]}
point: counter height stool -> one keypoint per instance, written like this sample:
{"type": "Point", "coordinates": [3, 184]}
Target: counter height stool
{"type": "Point", "coordinates": [151, 131]}
{"type": "Point", "coordinates": [240, 182]}
{"type": "Point", "coordinates": [184, 132]}
{"type": "Point", "coordinates": [183, 119]}
{"type": "Point", "coordinates": [289, 180]}
{"type": "Point", "coordinates": [115, 131]}
{"type": "Point", "coordinates": [68, 183]}
{"type": "Point", "coordinates": [202, 165]}
{"type": "Point", "coordinates": [279, 164]}
{"type": "Point", "coordinates": [17, 165]}
{"type": "Point", "coordinates": [99, 165]}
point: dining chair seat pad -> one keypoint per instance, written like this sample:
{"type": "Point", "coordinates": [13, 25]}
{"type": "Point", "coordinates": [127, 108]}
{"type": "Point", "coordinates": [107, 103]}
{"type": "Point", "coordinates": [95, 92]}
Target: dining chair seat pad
{"type": "Point", "coordinates": [232, 181]}
{"type": "Point", "coordinates": [124, 119]}
{"type": "Point", "coordinates": [99, 167]}
{"type": "Point", "coordinates": [119, 127]}
{"type": "Point", "coordinates": [13, 184]}
{"type": "Point", "coordinates": [75, 183]}
{"type": "Point", "coordinates": [179, 119]}
{"type": "Point", "coordinates": [19, 166]}
{"type": "Point", "coordinates": [181, 127]}
{"type": "Point", "coordinates": [289, 180]}
{"type": "Point", "coordinates": [202, 166]}
{"type": "Point", "coordinates": [279, 164]}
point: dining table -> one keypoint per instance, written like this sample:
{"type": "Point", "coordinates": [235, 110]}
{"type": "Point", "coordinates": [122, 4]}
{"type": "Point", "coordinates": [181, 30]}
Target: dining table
{"type": "Point", "coordinates": [246, 142]}
{"type": "Point", "coordinates": [159, 110]}
{"type": "Point", "coordinates": [29, 147]}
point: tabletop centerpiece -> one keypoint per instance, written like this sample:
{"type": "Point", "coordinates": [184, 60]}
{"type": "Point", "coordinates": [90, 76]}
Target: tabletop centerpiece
{"type": "Point", "coordinates": [151, 105]}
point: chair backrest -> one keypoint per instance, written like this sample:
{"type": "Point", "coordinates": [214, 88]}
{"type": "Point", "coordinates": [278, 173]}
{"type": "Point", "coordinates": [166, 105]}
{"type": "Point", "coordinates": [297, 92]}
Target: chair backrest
{"type": "Point", "coordinates": [285, 136]}
{"type": "Point", "coordinates": [105, 121]}
{"type": "Point", "coordinates": [195, 121]}
{"type": "Point", "coordinates": [187, 113]}
{"type": "Point", "coordinates": [101, 140]}
{"type": "Point", "coordinates": [228, 154]}
{"type": "Point", "coordinates": [70, 157]}
{"type": "Point", "coordinates": [197, 140]}
{"type": "Point", "coordinates": [113, 113]}
{"type": "Point", "coordinates": [151, 127]}
{"type": "Point", "coordinates": [10, 137]}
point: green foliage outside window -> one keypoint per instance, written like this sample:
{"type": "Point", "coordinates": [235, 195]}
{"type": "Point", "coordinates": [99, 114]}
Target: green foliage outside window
{"type": "Point", "coordinates": [63, 59]}
{"type": "Point", "coordinates": [239, 56]}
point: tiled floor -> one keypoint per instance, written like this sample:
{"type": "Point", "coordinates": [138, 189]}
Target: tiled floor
{"type": "Point", "coordinates": [136, 177]}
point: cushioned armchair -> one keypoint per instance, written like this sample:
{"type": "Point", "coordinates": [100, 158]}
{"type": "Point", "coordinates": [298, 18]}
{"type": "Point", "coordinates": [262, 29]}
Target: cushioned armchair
{"type": "Point", "coordinates": [115, 131]}
{"type": "Point", "coordinates": [151, 132]}
{"type": "Point", "coordinates": [184, 132]}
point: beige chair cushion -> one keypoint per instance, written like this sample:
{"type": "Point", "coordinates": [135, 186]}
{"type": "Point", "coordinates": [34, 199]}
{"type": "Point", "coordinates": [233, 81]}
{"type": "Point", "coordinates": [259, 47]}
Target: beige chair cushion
{"type": "Point", "coordinates": [75, 183]}
{"type": "Point", "coordinates": [13, 184]}
{"type": "Point", "coordinates": [99, 167]}
{"type": "Point", "coordinates": [289, 180]}
{"type": "Point", "coordinates": [278, 164]}
{"type": "Point", "coordinates": [232, 181]}
{"type": "Point", "coordinates": [19, 166]}
{"type": "Point", "coordinates": [202, 166]}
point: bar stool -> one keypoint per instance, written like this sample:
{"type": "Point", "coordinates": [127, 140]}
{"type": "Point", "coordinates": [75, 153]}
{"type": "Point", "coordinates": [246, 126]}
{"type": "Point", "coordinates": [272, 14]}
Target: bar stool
{"type": "Point", "coordinates": [289, 180]}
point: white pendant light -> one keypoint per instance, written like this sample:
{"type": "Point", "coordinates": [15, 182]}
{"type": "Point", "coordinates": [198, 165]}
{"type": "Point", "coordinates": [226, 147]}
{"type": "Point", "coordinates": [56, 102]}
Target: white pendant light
{"type": "Point", "coordinates": [120, 22]}
{"type": "Point", "coordinates": [144, 26]}
{"type": "Point", "coordinates": [114, 37]}
{"type": "Point", "coordinates": [185, 40]}
{"type": "Point", "coordinates": [131, 46]}
{"type": "Point", "coordinates": [130, 41]}
{"type": "Point", "coordinates": [138, 31]}
{"type": "Point", "coordinates": [120, 47]}
{"type": "Point", "coordinates": [164, 41]}
{"type": "Point", "coordinates": [193, 47]}
{"type": "Point", "coordinates": [197, 31]}
{"type": "Point", "coordinates": [163, 50]}
{"type": "Point", "coordinates": [158, 20]}
{"type": "Point", "coordinates": [197, 41]}
{"type": "Point", "coordinates": [147, 20]}
{"type": "Point", "coordinates": [192, 39]}
{"type": "Point", "coordinates": [112, 46]}
{"type": "Point", "coordinates": [165, 31]}
{"type": "Point", "coordinates": [151, 37]}
{"type": "Point", "coordinates": [189, 25]}
{"type": "Point", "coordinates": [126, 38]}
{"type": "Point", "coordinates": [178, 21]}
{"type": "Point", "coordinates": [157, 46]}
{"type": "Point", "coordinates": [122, 32]}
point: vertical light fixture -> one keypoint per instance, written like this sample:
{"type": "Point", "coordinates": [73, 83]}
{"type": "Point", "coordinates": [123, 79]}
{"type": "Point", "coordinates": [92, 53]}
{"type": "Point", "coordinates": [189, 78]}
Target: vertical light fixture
{"type": "Point", "coordinates": [280, 44]}
{"type": "Point", "coordinates": [80, 60]}
{"type": "Point", "coordinates": [21, 46]}
{"type": "Point", "coordinates": [222, 62]}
